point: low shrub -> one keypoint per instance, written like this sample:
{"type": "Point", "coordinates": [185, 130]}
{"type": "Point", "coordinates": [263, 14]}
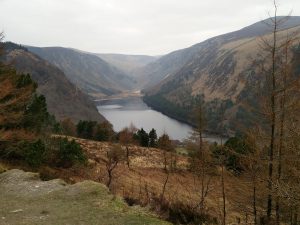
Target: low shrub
{"type": "Point", "coordinates": [34, 153]}
{"type": "Point", "coordinates": [69, 153]}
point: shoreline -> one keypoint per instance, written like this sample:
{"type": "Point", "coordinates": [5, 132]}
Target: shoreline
{"type": "Point", "coordinates": [207, 134]}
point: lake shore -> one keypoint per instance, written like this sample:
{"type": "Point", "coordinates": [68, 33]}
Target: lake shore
{"type": "Point", "coordinates": [121, 111]}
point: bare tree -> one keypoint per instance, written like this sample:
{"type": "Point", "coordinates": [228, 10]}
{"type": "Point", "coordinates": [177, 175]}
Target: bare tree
{"type": "Point", "coordinates": [271, 48]}
{"type": "Point", "coordinates": [126, 139]}
{"type": "Point", "coordinates": [289, 107]}
{"type": "Point", "coordinates": [253, 164]}
{"type": "Point", "coordinates": [222, 162]}
{"type": "Point", "coordinates": [273, 111]}
{"type": "Point", "coordinates": [114, 156]}
{"type": "Point", "coordinates": [223, 188]}
{"type": "Point", "coordinates": [165, 144]}
{"type": "Point", "coordinates": [276, 67]}
{"type": "Point", "coordinates": [200, 162]}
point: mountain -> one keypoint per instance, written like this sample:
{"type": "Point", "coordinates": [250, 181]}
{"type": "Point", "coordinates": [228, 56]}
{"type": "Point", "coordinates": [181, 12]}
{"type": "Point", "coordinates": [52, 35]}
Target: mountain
{"type": "Point", "coordinates": [63, 98]}
{"type": "Point", "coordinates": [171, 63]}
{"type": "Point", "coordinates": [219, 70]}
{"type": "Point", "coordinates": [90, 73]}
{"type": "Point", "coordinates": [127, 63]}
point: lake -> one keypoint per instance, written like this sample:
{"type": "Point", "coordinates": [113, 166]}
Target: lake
{"type": "Point", "coordinates": [122, 112]}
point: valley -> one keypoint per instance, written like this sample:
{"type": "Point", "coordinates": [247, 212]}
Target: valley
{"type": "Point", "coordinates": [218, 71]}
{"type": "Point", "coordinates": [208, 134]}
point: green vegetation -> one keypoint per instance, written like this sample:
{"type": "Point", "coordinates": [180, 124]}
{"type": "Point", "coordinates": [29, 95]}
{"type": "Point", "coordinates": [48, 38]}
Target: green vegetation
{"type": "Point", "coordinates": [94, 131]}
{"type": "Point", "coordinates": [34, 153]}
{"type": "Point", "coordinates": [233, 152]}
{"type": "Point", "coordinates": [69, 152]}
{"type": "Point", "coordinates": [142, 137]}
{"type": "Point", "coordinates": [36, 114]}
{"type": "Point", "coordinates": [104, 132]}
{"type": "Point", "coordinates": [26, 125]}
{"type": "Point", "coordinates": [85, 129]}
{"type": "Point", "coordinates": [214, 110]}
{"type": "Point", "coordinates": [182, 151]}
{"type": "Point", "coordinates": [152, 138]}
{"type": "Point", "coordinates": [161, 104]}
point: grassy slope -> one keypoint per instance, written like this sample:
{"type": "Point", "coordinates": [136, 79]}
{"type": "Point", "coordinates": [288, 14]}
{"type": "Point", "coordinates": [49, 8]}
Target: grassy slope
{"type": "Point", "coordinates": [27, 200]}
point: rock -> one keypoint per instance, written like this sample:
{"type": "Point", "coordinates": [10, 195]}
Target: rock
{"type": "Point", "coordinates": [24, 197]}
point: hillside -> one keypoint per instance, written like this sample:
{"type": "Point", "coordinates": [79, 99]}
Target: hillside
{"type": "Point", "coordinates": [63, 98]}
{"type": "Point", "coordinates": [25, 199]}
{"type": "Point", "coordinates": [90, 73]}
{"type": "Point", "coordinates": [201, 53]}
{"type": "Point", "coordinates": [220, 71]}
{"type": "Point", "coordinates": [143, 182]}
{"type": "Point", "coordinates": [127, 63]}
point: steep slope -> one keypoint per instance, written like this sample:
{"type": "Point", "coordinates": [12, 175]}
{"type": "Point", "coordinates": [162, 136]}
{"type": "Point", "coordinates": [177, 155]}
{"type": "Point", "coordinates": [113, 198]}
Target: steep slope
{"type": "Point", "coordinates": [221, 72]}
{"type": "Point", "coordinates": [63, 98]}
{"type": "Point", "coordinates": [127, 63]}
{"type": "Point", "coordinates": [93, 75]}
{"type": "Point", "coordinates": [169, 64]}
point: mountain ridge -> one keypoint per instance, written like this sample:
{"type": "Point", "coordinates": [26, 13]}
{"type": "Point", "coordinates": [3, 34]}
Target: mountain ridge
{"type": "Point", "coordinates": [63, 99]}
{"type": "Point", "coordinates": [219, 71]}
{"type": "Point", "coordinates": [90, 73]}
{"type": "Point", "coordinates": [153, 73]}
{"type": "Point", "coordinates": [127, 63]}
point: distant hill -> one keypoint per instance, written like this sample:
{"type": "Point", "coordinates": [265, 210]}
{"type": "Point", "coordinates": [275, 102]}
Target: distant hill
{"type": "Point", "coordinates": [90, 73]}
{"type": "Point", "coordinates": [127, 63]}
{"type": "Point", "coordinates": [63, 98]}
{"type": "Point", "coordinates": [219, 69]}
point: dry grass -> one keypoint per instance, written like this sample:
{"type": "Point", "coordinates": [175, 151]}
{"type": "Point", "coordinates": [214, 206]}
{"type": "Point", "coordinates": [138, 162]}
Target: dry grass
{"type": "Point", "coordinates": [144, 181]}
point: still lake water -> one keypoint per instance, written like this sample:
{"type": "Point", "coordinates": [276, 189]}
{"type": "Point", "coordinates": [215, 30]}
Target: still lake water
{"type": "Point", "coordinates": [121, 112]}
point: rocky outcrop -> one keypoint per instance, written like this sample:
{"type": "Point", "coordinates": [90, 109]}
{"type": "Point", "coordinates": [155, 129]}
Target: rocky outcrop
{"type": "Point", "coordinates": [25, 199]}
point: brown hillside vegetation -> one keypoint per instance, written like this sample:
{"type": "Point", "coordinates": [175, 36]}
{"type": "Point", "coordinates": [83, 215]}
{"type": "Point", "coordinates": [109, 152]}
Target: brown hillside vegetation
{"type": "Point", "coordinates": [16, 93]}
{"type": "Point", "coordinates": [64, 99]}
{"type": "Point", "coordinates": [143, 183]}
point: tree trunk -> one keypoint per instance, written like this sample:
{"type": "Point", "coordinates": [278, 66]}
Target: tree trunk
{"type": "Point", "coordinates": [254, 203]}
{"type": "Point", "coordinates": [164, 187]}
{"type": "Point", "coordinates": [296, 216]}
{"type": "Point", "coordinates": [127, 157]}
{"type": "Point", "coordinates": [110, 167]}
{"type": "Point", "coordinates": [109, 178]}
{"type": "Point", "coordinates": [281, 135]}
{"type": "Point", "coordinates": [223, 196]}
{"type": "Point", "coordinates": [165, 160]}
{"type": "Point", "coordinates": [273, 118]}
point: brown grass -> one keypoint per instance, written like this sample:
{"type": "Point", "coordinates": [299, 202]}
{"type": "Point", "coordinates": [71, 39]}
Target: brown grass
{"type": "Point", "coordinates": [143, 182]}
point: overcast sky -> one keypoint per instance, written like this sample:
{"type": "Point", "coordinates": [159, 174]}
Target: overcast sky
{"type": "Point", "coordinates": [152, 27]}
